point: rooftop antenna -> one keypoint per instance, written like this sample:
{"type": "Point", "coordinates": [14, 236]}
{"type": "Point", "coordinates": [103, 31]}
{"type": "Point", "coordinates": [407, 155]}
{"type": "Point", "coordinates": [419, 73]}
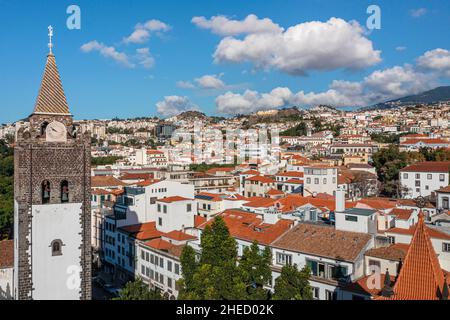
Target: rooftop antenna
{"type": "Point", "coordinates": [50, 35]}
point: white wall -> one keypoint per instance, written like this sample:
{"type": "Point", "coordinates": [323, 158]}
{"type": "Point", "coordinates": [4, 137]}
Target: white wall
{"type": "Point", "coordinates": [429, 182]}
{"type": "Point", "coordinates": [53, 275]}
{"type": "Point", "coordinates": [6, 283]}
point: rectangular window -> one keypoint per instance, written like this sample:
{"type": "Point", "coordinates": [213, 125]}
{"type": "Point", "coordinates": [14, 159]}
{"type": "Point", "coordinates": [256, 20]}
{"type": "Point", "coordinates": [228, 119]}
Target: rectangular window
{"type": "Point", "coordinates": [446, 247]}
{"type": "Point", "coordinates": [177, 268]}
{"type": "Point", "coordinates": [152, 259]}
{"type": "Point", "coordinates": [156, 260]}
{"type": "Point", "coordinates": [161, 278]}
{"type": "Point", "coordinates": [152, 274]}
{"type": "Point", "coordinates": [284, 259]}
{"type": "Point", "coordinates": [442, 177]}
{"type": "Point", "coordinates": [142, 270]}
{"type": "Point", "coordinates": [189, 207]}
{"type": "Point", "coordinates": [169, 265]}
{"type": "Point", "coordinates": [417, 175]}
{"type": "Point", "coordinates": [351, 218]}
{"type": "Point", "coordinates": [169, 282]}
{"type": "Point", "coordinates": [330, 295]}
{"type": "Point", "coordinates": [429, 176]}
{"type": "Point", "coordinates": [142, 254]}
{"type": "Point", "coordinates": [417, 183]}
{"type": "Point", "coordinates": [146, 256]}
{"type": "Point", "coordinates": [316, 293]}
{"type": "Point", "coordinates": [161, 262]}
{"type": "Point", "coordinates": [164, 209]}
{"type": "Point", "coordinates": [391, 239]}
{"type": "Point", "coordinates": [405, 176]}
{"type": "Point", "coordinates": [316, 180]}
{"type": "Point", "coordinates": [159, 207]}
{"type": "Point", "coordinates": [160, 221]}
{"type": "Point", "coordinates": [308, 180]}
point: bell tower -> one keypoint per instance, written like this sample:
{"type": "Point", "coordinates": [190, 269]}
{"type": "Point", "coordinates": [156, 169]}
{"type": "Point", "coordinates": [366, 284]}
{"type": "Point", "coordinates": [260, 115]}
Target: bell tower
{"type": "Point", "coordinates": [52, 198]}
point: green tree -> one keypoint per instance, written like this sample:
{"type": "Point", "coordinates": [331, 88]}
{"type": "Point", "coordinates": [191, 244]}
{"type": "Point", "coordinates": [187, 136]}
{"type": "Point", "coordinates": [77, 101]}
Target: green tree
{"type": "Point", "coordinates": [189, 266]}
{"type": "Point", "coordinates": [255, 269]}
{"type": "Point", "coordinates": [216, 276]}
{"type": "Point", "coordinates": [299, 130]}
{"type": "Point", "coordinates": [103, 161]}
{"type": "Point", "coordinates": [6, 189]}
{"type": "Point", "coordinates": [293, 284]}
{"type": "Point", "coordinates": [138, 290]}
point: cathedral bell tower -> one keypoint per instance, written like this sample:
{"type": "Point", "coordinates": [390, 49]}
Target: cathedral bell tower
{"type": "Point", "coordinates": [52, 247]}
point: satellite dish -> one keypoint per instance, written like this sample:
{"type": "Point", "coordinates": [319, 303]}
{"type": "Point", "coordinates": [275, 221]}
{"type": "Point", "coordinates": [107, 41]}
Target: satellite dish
{"type": "Point", "coordinates": [314, 194]}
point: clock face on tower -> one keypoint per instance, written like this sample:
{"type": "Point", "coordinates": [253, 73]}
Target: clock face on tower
{"type": "Point", "coordinates": [56, 132]}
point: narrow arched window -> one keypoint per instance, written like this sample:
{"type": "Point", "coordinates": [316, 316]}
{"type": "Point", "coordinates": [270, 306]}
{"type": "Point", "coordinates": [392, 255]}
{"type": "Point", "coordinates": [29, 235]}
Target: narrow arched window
{"type": "Point", "coordinates": [46, 190]}
{"type": "Point", "coordinates": [43, 128]}
{"type": "Point", "coordinates": [64, 191]}
{"type": "Point", "coordinates": [56, 246]}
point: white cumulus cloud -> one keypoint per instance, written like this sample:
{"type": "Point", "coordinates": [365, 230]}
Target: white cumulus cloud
{"type": "Point", "coordinates": [108, 52]}
{"type": "Point", "coordinates": [379, 86]}
{"type": "Point", "coordinates": [224, 26]}
{"type": "Point", "coordinates": [437, 60]}
{"type": "Point", "coordinates": [417, 13]}
{"type": "Point", "coordinates": [210, 81]}
{"type": "Point", "coordinates": [145, 58]}
{"type": "Point", "coordinates": [334, 44]}
{"type": "Point", "coordinates": [173, 105]}
{"type": "Point", "coordinates": [142, 31]}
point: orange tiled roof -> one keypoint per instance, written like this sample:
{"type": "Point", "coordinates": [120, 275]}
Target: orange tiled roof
{"type": "Point", "coordinates": [394, 252]}
{"type": "Point", "coordinates": [323, 241]}
{"type": "Point", "coordinates": [444, 189]}
{"type": "Point", "coordinates": [402, 214]}
{"type": "Point", "coordinates": [142, 231]}
{"type": "Point", "coordinates": [296, 174]}
{"type": "Point", "coordinates": [250, 227]}
{"type": "Point", "coordinates": [262, 179]}
{"type": "Point", "coordinates": [421, 277]}
{"type": "Point", "coordinates": [433, 233]}
{"type": "Point", "coordinates": [163, 245]}
{"type": "Point", "coordinates": [6, 254]}
{"type": "Point", "coordinates": [173, 199]}
{"type": "Point", "coordinates": [179, 235]}
{"type": "Point", "coordinates": [105, 181]}
{"type": "Point", "coordinates": [51, 97]}
{"type": "Point", "coordinates": [425, 140]}
{"type": "Point", "coordinates": [428, 166]}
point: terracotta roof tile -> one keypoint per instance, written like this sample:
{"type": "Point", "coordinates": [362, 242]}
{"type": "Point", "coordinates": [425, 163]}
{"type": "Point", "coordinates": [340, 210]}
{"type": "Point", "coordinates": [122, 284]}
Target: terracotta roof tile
{"type": "Point", "coordinates": [421, 277]}
{"type": "Point", "coordinates": [173, 199]}
{"type": "Point", "coordinates": [323, 241]}
{"type": "Point", "coordinates": [250, 227]}
{"type": "Point", "coordinates": [393, 252]}
{"type": "Point", "coordinates": [6, 254]}
{"type": "Point", "coordinates": [429, 166]}
{"type": "Point", "coordinates": [105, 181]}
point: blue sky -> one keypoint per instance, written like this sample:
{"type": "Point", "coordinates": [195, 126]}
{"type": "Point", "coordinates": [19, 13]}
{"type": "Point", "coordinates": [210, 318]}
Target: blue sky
{"type": "Point", "coordinates": [196, 64]}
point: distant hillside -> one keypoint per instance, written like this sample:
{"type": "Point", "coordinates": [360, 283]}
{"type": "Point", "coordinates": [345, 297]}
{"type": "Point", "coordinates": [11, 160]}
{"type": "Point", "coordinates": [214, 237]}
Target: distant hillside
{"type": "Point", "coordinates": [432, 96]}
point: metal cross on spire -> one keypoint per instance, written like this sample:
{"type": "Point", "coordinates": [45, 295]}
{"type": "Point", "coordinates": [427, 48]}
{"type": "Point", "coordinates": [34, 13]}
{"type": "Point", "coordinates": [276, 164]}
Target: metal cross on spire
{"type": "Point", "coordinates": [50, 35]}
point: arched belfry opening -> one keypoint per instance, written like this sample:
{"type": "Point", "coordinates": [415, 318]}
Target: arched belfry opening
{"type": "Point", "coordinates": [64, 191]}
{"type": "Point", "coordinates": [46, 191]}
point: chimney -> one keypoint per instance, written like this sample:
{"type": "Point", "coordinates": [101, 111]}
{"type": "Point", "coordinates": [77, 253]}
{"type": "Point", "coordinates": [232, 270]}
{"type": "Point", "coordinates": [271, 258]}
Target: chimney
{"type": "Point", "coordinates": [340, 199]}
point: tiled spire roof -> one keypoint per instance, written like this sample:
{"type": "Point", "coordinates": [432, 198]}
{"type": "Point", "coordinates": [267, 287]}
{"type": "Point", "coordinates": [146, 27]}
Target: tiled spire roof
{"type": "Point", "coordinates": [421, 277]}
{"type": "Point", "coordinates": [51, 98]}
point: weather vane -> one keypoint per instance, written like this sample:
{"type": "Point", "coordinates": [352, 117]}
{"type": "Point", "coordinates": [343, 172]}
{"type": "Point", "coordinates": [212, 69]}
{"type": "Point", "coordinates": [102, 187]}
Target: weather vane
{"type": "Point", "coordinates": [50, 35]}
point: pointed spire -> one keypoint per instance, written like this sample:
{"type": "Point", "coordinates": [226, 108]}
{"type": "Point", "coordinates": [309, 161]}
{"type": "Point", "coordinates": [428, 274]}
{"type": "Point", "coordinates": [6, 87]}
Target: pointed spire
{"type": "Point", "coordinates": [421, 276]}
{"type": "Point", "coordinates": [445, 292]}
{"type": "Point", "coordinates": [51, 98]}
{"type": "Point", "coordinates": [387, 289]}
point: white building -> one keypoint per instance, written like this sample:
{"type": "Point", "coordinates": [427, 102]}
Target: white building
{"type": "Point", "coordinates": [424, 178]}
{"type": "Point", "coordinates": [6, 269]}
{"type": "Point", "coordinates": [320, 179]}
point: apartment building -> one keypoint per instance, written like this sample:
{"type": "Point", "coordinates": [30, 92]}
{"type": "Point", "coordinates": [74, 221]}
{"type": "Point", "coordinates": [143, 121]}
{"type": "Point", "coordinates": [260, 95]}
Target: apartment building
{"type": "Point", "coordinates": [320, 179]}
{"type": "Point", "coordinates": [424, 179]}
